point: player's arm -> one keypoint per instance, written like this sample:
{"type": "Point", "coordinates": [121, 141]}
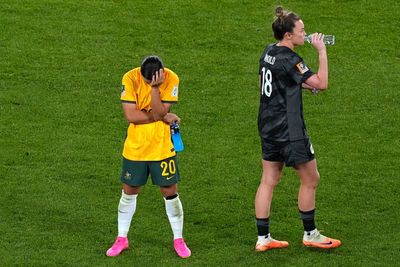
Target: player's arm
{"type": "Point", "coordinates": [135, 116]}
{"type": "Point", "coordinates": [307, 87]}
{"type": "Point", "coordinates": [320, 79]}
{"type": "Point", "coordinates": [158, 108]}
{"type": "Point", "coordinates": [168, 118]}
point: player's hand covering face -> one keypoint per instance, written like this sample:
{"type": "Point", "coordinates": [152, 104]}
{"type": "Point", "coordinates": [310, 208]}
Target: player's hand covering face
{"type": "Point", "coordinates": [158, 78]}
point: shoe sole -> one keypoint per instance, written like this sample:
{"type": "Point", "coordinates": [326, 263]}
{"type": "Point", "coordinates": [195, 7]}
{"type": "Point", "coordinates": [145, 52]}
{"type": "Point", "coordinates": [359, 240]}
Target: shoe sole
{"type": "Point", "coordinates": [319, 245]}
{"type": "Point", "coordinates": [271, 246]}
{"type": "Point", "coordinates": [183, 256]}
{"type": "Point", "coordinates": [116, 254]}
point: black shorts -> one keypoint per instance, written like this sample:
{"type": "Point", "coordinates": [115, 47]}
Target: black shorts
{"type": "Point", "coordinates": [291, 153]}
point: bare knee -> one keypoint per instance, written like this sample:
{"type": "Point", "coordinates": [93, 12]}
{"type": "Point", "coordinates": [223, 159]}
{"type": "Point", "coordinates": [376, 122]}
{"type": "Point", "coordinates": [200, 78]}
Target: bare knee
{"type": "Point", "coordinates": [270, 180]}
{"type": "Point", "coordinates": [131, 190]}
{"type": "Point", "coordinates": [311, 180]}
{"type": "Point", "coordinates": [170, 190]}
{"type": "Point", "coordinates": [272, 172]}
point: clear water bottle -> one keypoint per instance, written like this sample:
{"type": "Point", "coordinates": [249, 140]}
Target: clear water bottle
{"type": "Point", "coordinates": [328, 39]}
{"type": "Point", "coordinates": [176, 138]}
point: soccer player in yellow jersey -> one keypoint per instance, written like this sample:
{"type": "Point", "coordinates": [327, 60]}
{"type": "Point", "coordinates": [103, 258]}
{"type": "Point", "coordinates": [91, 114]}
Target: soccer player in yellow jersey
{"type": "Point", "coordinates": [147, 95]}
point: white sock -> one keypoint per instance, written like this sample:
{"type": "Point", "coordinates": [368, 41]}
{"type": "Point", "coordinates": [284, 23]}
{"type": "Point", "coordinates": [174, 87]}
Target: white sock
{"type": "Point", "coordinates": [309, 235]}
{"type": "Point", "coordinates": [174, 211]}
{"type": "Point", "coordinates": [263, 239]}
{"type": "Point", "coordinates": [126, 209]}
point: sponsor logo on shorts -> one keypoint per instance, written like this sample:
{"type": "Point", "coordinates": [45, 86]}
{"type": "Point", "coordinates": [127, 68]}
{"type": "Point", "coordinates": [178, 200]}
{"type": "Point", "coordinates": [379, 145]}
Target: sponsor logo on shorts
{"type": "Point", "coordinates": [170, 177]}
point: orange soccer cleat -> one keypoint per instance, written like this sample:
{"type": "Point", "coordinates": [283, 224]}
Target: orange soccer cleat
{"type": "Point", "coordinates": [270, 243]}
{"type": "Point", "coordinates": [315, 239]}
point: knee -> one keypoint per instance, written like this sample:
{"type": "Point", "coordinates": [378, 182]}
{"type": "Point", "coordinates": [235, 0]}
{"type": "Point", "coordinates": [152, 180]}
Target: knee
{"type": "Point", "coordinates": [168, 191]}
{"type": "Point", "coordinates": [313, 180]}
{"type": "Point", "coordinates": [270, 181]}
{"type": "Point", "coordinates": [131, 190]}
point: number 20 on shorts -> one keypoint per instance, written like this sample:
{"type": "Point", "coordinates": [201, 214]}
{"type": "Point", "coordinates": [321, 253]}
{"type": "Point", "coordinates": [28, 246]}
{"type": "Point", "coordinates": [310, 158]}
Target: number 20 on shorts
{"type": "Point", "coordinates": [168, 167]}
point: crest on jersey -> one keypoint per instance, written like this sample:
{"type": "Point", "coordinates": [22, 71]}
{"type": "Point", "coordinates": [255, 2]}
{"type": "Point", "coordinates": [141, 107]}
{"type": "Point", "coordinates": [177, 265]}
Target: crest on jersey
{"type": "Point", "coordinates": [302, 67]}
{"type": "Point", "coordinates": [122, 90]}
{"type": "Point", "coordinates": [175, 91]}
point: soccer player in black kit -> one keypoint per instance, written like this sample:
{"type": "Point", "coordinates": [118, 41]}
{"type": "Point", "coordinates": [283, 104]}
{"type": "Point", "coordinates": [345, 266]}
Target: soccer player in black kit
{"type": "Point", "coordinates": [281, 126]}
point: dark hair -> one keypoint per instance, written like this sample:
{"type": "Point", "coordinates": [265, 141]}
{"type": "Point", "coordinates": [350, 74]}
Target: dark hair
{"type": "Point", "coordinates": [284, 22]}
{"type": "Point", "coordinates": [150, 66]}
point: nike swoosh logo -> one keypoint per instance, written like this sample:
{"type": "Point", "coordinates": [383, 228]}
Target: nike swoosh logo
{"type": "Point", "coordinates": [169, 178]}
{"type": "Point", "coordinates": [122, 211]}
{"type": "Point", "coordinates": [327, 243]}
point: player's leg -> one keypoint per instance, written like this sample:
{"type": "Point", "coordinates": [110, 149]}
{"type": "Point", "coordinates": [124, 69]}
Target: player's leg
{"type": "Point", "coordinates": [166, 174]}
{"type": "Point", "coordinates": [271, 175]}
{"type": "Point", "coordinates": [127, 208]}
{"type": "Point", "coordinates": [309, 179]}
{"type": "Point", "coordinates": [173, 208]}
{"type": "Point", "coordinates": [127, 203]}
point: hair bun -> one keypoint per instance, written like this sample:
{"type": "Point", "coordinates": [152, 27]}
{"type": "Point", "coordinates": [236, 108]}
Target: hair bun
{"type": "Point", "coordinates": [279, 11]}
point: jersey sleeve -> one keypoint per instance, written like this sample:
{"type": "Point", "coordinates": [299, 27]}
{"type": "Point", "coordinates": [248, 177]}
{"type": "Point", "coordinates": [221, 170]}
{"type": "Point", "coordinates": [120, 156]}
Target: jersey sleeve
{"type": "Point", "coordinates": [171, 91]}
{"type": "Point", "coordinates": [127, 91]}
{"type": "Point", "coordinates": [299, 71]}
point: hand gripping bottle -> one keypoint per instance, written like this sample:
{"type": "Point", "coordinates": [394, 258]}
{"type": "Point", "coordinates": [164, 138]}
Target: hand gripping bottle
{"type": "Point", "coordinates": [328, 39]}
{"type": "Point", "coordinates": [176, 138]}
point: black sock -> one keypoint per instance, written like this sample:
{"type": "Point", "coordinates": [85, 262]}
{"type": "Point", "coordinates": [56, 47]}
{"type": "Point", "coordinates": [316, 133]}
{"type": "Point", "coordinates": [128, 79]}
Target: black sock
{"type": "Point", "coordinates": [262, 226]}
{"type": "Point", "coordinates": [308, 220]}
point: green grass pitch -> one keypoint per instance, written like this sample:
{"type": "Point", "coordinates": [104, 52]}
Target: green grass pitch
{"type": "Point", "coordinates": [62, 131]}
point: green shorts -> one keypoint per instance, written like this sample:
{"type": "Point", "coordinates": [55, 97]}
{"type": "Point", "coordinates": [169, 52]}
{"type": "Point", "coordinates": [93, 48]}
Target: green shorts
{"type": "Point", "coordinates": [163, 173]}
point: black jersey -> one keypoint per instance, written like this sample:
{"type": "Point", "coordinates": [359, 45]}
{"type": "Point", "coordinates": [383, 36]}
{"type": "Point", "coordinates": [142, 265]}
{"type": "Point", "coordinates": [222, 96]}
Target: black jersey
{"type": "Point", "coordinates": [280, 116]}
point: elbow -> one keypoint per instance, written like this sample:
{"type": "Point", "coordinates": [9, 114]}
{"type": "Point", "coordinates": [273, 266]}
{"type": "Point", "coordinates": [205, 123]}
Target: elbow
{"type": "Point", "coordinates": [323, 86]}
{"type": "Point", "coordinates": [131, 120]}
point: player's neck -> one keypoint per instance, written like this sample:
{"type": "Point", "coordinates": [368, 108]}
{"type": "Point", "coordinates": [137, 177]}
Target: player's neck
{"type": "Point", "coordinates": [286, 43]}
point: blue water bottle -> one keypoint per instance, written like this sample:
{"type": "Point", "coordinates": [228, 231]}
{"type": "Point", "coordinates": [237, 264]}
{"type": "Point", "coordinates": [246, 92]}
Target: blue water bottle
{"type": "Point", "coordinates": [176, 138]}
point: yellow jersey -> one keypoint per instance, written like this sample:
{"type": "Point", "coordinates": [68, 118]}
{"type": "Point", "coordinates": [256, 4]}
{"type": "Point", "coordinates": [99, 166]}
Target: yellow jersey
{"type": "Point", "coordinates": [150, 141]}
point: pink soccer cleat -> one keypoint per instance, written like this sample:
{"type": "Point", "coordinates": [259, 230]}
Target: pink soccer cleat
{"type": "Point", "coordinates": [181, 249]}
{"type": "Point", "coordinates": [120, 244]}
